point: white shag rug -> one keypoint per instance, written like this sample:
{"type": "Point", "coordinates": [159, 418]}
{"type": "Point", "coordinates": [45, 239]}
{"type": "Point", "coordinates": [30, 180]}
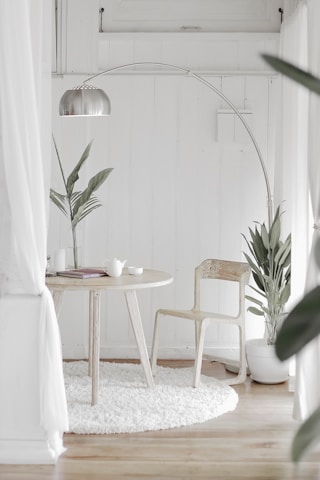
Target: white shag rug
{"type": "Point", "coordinates": [126, 404]}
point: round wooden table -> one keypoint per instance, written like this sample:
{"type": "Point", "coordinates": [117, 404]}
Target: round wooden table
{"type": "Point", "coordinates": [128, 284]}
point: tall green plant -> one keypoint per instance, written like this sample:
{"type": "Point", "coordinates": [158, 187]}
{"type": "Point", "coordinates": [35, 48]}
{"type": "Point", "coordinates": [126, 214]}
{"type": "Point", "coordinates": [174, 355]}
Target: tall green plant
{"type": "Point", "coordinates": [270, 262]}
{"type": "Point", "coordinates": [303, 323]}
{"type": "Point", "coordinates": [76, 205]}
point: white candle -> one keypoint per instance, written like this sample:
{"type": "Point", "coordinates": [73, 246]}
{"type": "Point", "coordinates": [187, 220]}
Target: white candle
{"type": "Point", "coordinates": [59, 260]}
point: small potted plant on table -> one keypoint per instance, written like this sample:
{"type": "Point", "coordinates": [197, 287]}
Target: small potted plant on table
{"type": "Point", "coordinates": [76, 205]}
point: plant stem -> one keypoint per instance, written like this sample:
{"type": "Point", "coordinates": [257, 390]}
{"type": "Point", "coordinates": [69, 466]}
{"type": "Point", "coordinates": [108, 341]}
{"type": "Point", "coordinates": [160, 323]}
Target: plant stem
{"type": "Point", "coordinates": [74, 233]}
{"type": "Point", "coordinates": [75, 247]}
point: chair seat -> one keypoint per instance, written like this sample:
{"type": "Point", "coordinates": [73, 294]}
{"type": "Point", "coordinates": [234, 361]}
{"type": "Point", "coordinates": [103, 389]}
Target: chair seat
{"type": "Point", "coordinates": [198, 315]}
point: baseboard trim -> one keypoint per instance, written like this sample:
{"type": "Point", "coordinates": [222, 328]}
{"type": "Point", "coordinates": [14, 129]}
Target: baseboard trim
{"type": "Point", "coordinates": [26, 452]}
{"type": "Point", "coordinates": [131, 352]}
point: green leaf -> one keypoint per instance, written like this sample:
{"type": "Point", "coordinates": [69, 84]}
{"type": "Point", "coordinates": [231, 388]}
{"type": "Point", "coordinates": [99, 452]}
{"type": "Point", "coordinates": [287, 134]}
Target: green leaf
{"type": "Point", "coordinates": [254, 300]}
{"type": "Point", "coordinates": [85, 209]}
{"type": "Point", "coordinates": [285, 294]}
{"type": "Point", "coordinates": [300, 327]}
{"type": "Point", "coordinates": [254, 268]}
{"type": "Point", "coordinates": [259, 292]}
{"type": "Point", "coordinates": [275, 231]}
{"type": "Point", "coordinates": [74, 197]}
{"type": "Point", "coordinates": [255, 311]}
{"type": "Point", "coordinates": [283, 255]}
{"type": "Point", "coordinates": [58, 200]}
{"type": "Point", "coordinates": [294, 73]}
{"type": "Point", "coordinates": [260, 281]}
{"type": "Point", "coordinates": [93, 185]}
{"type": "Point", "coordinates": [74, 175]}
{"type": "Point", "coordinates": [259, 248]}
{"type": "Point", "coordinates": [265, 237]}
{"type": "Point", "coordinates": [307, 434]}
{"type": "Point", "coordinates": [250, 247]}
{"type": "Point", "coordinates": [288, 274]}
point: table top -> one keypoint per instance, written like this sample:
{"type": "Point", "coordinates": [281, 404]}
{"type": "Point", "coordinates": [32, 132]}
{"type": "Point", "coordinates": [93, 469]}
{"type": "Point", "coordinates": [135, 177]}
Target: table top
{"type": "Point", "coordinates": [148, 279]}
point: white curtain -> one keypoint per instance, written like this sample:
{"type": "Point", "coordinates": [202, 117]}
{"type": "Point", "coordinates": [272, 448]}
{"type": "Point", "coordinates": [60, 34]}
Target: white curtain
{"type": "Point", "coordinates": [291, 176]}
{"type": "Point", "coordinates": [297, 178]}
{"type": "Point", "coordinates": [307, 396]}
{"type": "Point", "coordinates": [25, 152]}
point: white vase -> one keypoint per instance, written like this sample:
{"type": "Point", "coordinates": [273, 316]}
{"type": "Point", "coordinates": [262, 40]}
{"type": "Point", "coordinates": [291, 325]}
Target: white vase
{"type": "Point", "coordinates": [264, 365]}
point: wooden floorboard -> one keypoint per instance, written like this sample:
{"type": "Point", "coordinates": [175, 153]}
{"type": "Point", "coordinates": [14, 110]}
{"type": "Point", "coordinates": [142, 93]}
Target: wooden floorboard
{"type": "Point", "coordinates": [253, 442]}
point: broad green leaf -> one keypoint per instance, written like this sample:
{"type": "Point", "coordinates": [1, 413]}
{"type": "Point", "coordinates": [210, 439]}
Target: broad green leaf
{"type": "Point", "coordinates": [85, 209]}
{"type": "Point", "coordinates": [254, 268]}
{"type": "Point", "coordinates": [259, 248]}
{"type": "Point", "coordinates": [58, 200]}
{"type": "Point", "coordinates": [288, 275]}
{"type": "Point", "coordinates": [275, 233]}
{"type": "Point", "coordinates": [255, 311]}
{"type": "Point", "coordinates": [254, 300]}
{"type": "Point", "coordinates": [297, 74]}
{"type": "Point", "coordinates": [283, 254]}
{"type": "Point", "coordinates": [307, 434]}
{"type": "Point", "coordinates": [250, 247]}
{"type": "Point", "coordinates": [98, 179]}
{"type": "Point", "coordinates": [94, 184]}
{"type": "Point", "coordinates": [74, 197]}
{"type": "Point", "coordinates": [74, 175]}
{"type": "Point", "coordinates": [259, 292]}
{"type": "Point", "coordinates": [259, 279]}
{"type": "Point", "coordinates": [287, 262]}
{"type": "Point", "coordinates": [285, 294]}
{"type": "Point", "coordinates": [300, 327]}
{"type": "Point", "coordinates": [265, 236]}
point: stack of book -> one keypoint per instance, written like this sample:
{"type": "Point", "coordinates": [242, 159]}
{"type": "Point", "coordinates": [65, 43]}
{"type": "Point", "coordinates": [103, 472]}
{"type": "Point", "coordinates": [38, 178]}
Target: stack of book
{"type": "Point", "coordinates": [83, 273]}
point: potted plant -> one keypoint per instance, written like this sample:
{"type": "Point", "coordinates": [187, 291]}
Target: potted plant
{"type": "Point", "coordinates": [76, 205]}
{"type": "Point", "coordinates": [270, 260]}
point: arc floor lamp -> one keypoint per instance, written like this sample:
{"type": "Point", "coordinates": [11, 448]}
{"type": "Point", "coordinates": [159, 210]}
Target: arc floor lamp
{"type": "Point", "coordinates": [87, 100]}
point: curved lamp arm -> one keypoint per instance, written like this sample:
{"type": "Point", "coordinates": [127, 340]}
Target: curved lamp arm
{"type": "Point", "coordinates": [78, 102]}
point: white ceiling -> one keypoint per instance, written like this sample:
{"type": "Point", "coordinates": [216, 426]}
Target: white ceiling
{"type": "Point", "coordinates": [191, 15]}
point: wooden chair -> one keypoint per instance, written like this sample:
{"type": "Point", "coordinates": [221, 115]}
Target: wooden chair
{"type": "Point", "coordinates": [220, 270]}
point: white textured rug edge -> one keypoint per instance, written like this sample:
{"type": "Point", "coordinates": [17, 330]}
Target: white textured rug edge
{"type": "Point", "coordinates": [127, 405]}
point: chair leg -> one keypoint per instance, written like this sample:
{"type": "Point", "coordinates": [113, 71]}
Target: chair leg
{"type": "Point", "coordinates": [200, 334]}
{"type": "Point", "coordinates": [155, 343]}
{"type": "Point", "coordinates": [243, 361]}
{"type": "Point", "coordinates": [196, 338]}
{"type": "Point", "coordinates": [242, 372]}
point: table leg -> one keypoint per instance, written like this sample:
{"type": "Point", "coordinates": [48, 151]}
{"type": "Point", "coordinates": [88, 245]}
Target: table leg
{"type": "Point", "coordinates": [91, 301]}
{"type": "Point", "coordinates": [136, 323]}
{"type": "Point", "coordinates": [57, 296]}
{"type": "Point", "coordinates": [95, 354]}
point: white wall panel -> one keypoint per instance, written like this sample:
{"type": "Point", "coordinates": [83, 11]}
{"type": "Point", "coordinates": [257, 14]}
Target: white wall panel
{"type": "Point", "coordinates": [174, 198]}
{"type": "Point", "coordinates": [206, 52]}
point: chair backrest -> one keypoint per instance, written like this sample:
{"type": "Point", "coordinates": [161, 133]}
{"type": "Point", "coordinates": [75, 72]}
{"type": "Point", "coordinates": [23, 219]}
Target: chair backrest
{"type": "Point", "coordinates": [221, 270]}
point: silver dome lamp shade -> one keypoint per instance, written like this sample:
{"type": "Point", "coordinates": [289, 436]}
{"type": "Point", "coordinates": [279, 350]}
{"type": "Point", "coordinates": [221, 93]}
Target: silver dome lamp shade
{"type": "Point", "coordinates": [84, 100]}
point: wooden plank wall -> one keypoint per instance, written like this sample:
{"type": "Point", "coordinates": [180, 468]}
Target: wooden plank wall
{"type": "Point", "coordinates": [176, 195]}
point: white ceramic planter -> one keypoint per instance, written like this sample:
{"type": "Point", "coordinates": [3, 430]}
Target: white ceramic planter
{"type": "Point", "coordinates": [263, 363]}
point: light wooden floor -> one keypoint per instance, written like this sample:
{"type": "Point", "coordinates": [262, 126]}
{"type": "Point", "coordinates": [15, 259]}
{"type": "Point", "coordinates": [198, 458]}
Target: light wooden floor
{"type": "Point", "coordinates": [250, 443]}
